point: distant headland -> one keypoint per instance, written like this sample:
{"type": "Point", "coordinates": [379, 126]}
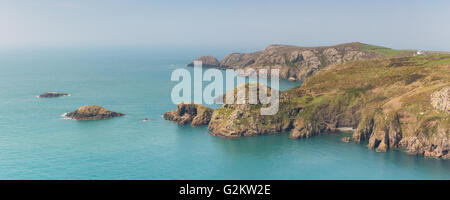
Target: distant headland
{"type": "Point", "coordinates": [297, 63]}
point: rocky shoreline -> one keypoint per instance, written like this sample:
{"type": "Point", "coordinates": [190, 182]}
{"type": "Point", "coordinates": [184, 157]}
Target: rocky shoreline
{"type": "Point", "coordinates": [194, 114]}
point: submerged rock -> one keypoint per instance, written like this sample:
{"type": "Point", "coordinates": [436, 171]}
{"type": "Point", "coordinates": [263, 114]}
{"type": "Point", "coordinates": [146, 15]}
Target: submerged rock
{"type": "Point", "coordinates": [52, 94]}
{"type": "Point", "coordinates": [192, 113]}
{"type": "Point", "coordinates": [346, 139]}
{"type": "Point", "coordinates": [207, 61]}
{"type": "Point", "coordinates": [92, 112]}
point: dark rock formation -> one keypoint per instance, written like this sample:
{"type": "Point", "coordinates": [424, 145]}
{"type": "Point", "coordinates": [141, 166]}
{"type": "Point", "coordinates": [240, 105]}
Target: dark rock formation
{"type": "Point", "coordinates": [192, 113]}
{"type": "Point", "coordinates": [207, 61]}
{"type": "Point", "coordinates": [52, 94]}
{"type": "Point", "coordinates": [92, 112]}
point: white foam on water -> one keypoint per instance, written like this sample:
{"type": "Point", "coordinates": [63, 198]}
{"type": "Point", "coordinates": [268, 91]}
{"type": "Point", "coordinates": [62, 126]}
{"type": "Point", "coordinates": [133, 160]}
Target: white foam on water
{"type": "Point", "coordinates": [65, 117]}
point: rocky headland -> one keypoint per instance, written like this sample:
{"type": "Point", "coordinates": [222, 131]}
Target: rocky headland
{"type": "Point", "coordinates": [52, 95]}
{"type": "Point", "coordinates": [194, 114]}
{"type": "Point", "coordinates": [391, 102]}
{"type": "Point", "coordinates": [92, 112]}
{"type": "Point", "coordinates": [297, 63]}
{"type": "Point", "coordinates": [244, 119]}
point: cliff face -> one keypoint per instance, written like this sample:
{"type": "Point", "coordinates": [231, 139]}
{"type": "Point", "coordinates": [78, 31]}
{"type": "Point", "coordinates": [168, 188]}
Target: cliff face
{"type": "Point", "coordinates": [92, 112]}
{"type": "Point", "coordinates": [392, 103]}
{"type": "Point", "coordinates": [297, 63]}
{"type": "Point", "coordinates": [441, 100]}
{"type": "Point", "coordinates": [195, 114]}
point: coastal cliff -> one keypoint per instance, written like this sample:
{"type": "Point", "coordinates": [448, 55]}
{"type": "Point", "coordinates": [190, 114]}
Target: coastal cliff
{"type": "Point", "coordinates": [192, 113]}
{"type": "Point", "coordinates": [392, 103]}
{"type": "Point", "coordinates": [297, 63]}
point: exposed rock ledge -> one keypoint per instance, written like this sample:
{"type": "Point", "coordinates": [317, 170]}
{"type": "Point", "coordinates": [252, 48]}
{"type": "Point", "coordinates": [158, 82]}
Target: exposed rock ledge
{"type": "Point", "coordinates": [192, 113]}
{"type": "Point", "coordinates": [441, 100]}
{"type": "Point", "coordinates": [52, 94]}
{"type": "Point", "coordinates": [92, 112]}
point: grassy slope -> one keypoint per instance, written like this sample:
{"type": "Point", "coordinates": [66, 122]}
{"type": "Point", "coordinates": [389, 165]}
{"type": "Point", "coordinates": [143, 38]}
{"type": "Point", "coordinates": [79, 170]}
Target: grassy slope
{"type": "Point", "coordinates": [384, 50]}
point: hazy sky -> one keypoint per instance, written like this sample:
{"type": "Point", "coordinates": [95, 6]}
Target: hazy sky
{"type": "Point", "coordinates": [253, 24]}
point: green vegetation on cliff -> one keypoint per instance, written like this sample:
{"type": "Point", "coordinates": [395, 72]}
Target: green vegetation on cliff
{"type": "Point", "coordinates": [383, 50]}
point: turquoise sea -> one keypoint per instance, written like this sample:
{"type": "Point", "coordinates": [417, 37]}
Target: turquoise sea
{"type": "Point", "coordinates": [37, 143]}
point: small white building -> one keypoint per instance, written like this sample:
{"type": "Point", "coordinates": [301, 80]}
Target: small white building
{"type": "Point", "coordinates": [420, 52]}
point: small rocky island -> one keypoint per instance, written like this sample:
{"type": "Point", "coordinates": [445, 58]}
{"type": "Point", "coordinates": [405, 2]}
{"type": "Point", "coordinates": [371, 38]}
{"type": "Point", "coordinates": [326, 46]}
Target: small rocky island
{"type": "Point", "coordinates": [207, 61]}
{"type": "Point", "coordinates": [192, 113]}
{"type": "Point", "coordinates": [52, 95]}
{"type": "Point", "coordinates": [92, 112]}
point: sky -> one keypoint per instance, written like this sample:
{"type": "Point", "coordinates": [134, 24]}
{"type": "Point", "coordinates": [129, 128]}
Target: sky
{"type": "Point", "coordinates": [409, 24]}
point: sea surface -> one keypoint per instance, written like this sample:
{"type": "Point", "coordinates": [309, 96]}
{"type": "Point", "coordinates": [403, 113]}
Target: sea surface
{"type": "Point", "coordinates": [36, 142]}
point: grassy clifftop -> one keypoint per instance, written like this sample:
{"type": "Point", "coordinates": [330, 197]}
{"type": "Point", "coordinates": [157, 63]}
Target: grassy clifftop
{"type": "Point", "coordinates": [384, 50]}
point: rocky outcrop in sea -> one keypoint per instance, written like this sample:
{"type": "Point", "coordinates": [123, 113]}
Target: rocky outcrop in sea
{"type": "Point", "coordinates": [92, 112]}
{"type": "Point", "coordinates": [194, 114]}
{"type": "Point", "coordinates": [207, 61]}
{"type": "Point", "coordinates": [52, 95]}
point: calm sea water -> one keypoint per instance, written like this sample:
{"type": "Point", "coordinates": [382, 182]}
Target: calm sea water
{"type": "Point", "coordinates": [37, 143]}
